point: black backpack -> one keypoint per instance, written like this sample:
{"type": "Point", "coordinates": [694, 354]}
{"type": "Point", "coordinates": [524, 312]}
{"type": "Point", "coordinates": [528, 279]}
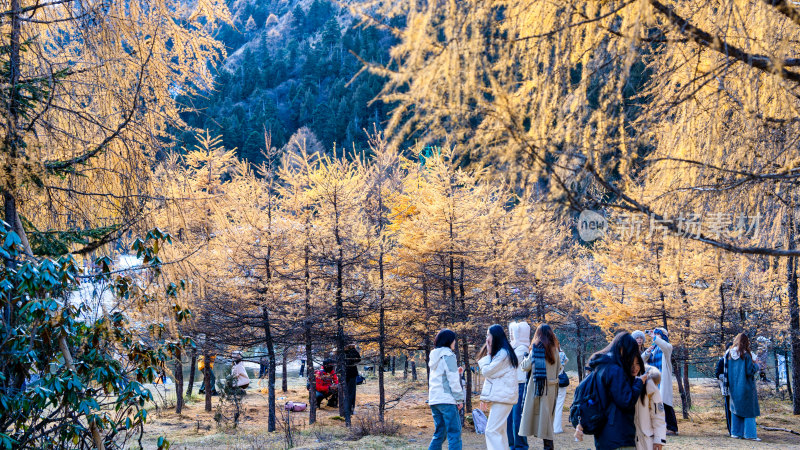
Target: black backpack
{"type": "Point", "coordinates": [587, 408]}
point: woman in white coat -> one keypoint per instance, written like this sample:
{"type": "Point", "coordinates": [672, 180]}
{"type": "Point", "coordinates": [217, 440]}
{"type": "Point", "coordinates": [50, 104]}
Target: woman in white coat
{"type": "Point", "coordinates": [499, 367]}
{"type": "Point", "coordinates": [659, 355]}
{"type": "Point", "coordinates": [562, 396]}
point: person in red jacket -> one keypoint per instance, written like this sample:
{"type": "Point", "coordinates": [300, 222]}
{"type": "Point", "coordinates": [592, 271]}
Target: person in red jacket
{"type": "Point", "coordinates": [327, 384]}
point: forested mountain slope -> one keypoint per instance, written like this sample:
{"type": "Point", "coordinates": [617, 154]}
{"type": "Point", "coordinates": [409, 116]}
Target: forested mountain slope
{"type": "Point", "coordinates": [288, 66]}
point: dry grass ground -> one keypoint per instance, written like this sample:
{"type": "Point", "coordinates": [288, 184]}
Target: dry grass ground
{"type": "Point", "coordinates": [195, 428]}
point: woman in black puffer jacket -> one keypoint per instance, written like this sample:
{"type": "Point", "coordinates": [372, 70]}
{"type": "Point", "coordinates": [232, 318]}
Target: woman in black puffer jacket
{"type": "Point", "coordinates": [619, 391]}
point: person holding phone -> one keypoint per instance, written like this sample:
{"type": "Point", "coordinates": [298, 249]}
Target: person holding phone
{"type": "Point", "coordinates": [659, 355]}
{"type": "Point", "coordinates": [445, 393]}
{"type": "Point", "coordinates": [499, 367]}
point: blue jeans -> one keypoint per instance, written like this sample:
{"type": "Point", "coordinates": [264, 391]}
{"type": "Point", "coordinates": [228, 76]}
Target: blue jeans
{"type": "Point", "coordinates": [514, 420]}
{"type": "Point", "coordinates": [446, 423]}
{"type": "Point", "coordinates": [743, 427]}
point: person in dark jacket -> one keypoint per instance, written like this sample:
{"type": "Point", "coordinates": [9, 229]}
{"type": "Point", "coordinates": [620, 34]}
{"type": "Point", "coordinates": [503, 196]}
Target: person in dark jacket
{"type": "Point", "coordinates": [720, 373]}
{"type": "Point", "coordinates": [619, 391]}
{"type": "Point", "coordinates": [351, 359]}
{"type": "Point", "coordinates": [740, 376]}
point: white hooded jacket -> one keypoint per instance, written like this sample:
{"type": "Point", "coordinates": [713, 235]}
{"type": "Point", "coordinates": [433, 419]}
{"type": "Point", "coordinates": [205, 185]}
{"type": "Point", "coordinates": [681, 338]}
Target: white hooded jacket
{"type": "Point", "coordinates": [444, 383]}
{"type": "Point", "coordinates": [501, 379]}
{"type": "Point", "coordinates": [520, 333]}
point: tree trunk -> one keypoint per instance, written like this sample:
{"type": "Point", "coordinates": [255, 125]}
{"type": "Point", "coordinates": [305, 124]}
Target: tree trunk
{"type": "Point", "coordinates": [178, 382]}
{"type": "Point", "coordinates": [427, 340]}
{"type": "Point", "coordinates": [794, 313]}
{"type": "Point", "coordinates": [686, 385]}
{"type": "Point", "coordinates": [685, 353]}
{"type": "Point", "coordinates": [13, 141]}
{"type": "Point", "coordinates": [394, 365]}
{"type": "Point", "coordinates": [284, 374]}
{"type": "Point", "coordinates": [307, 323]}
{"type": "Point", "coordinates": [192, 367]}
{"type": "Point", "coordinates": [468, 387]}
{"type": "Point", "coordinates": [344, 406]}
{"type": "Point", "coordinates": [722, 318]}
{"type": "Point", "coordinates": [777, 370]}
{"type": "Point", "coordinates": [677, 374]}
{"type": "Point", "coordinates": [207, 377]}
{"type": "Point", "coordinates": [405, 368]}
{"type": "Point", "coordinates": [789, 378]}
{"type": "Point", "coordinates": [270, 371]}
{"type": "Point", "coordinates": [382, 340]}
{"type": "Point", "coordinates": [413, 371]}
{"type": "Point", "coordinates": [381, 355]}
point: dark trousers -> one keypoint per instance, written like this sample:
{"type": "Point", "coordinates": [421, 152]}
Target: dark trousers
{"type": "Point", "coordinates": [728, 412]}
{"type": "Point", "coordinates": [516, 441]}
{"type": "Point", "coordinates": [548, 444]}
{"type": "Point", "coordinates": [350, 385]}
{"type": "Point", "coordinates": [669, 416]}
{"type": "Point", "coordinates": [332, 396]}
{"type": "Point", "coordinates": [213, 384]}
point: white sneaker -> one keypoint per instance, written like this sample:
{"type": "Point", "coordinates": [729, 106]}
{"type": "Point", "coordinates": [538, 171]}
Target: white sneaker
{"type": "Point", "coordinates": [736, 437]}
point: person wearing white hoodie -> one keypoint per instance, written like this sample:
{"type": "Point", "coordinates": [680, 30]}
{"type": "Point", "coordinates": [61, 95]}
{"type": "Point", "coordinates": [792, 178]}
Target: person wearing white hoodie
{"type": "Point", "coordinates": [558, 415]}
{"type": "Point", "coordinates": [499, 367]}
{"type": "Point", "coordinates": [520, 341]}
{"type": "Point", "coordinates": [445, 394]}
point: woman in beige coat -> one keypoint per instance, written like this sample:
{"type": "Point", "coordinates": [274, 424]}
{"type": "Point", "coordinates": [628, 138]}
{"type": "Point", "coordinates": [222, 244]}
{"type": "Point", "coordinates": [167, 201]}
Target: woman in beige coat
{"type": "Point", "coordinates": [540, 397]}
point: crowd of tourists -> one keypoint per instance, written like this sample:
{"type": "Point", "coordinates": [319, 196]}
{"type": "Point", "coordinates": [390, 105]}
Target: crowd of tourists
{"type": "Point", "coordinates": [624, 401]}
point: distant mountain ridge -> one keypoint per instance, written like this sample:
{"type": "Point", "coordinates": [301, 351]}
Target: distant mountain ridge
{"type": "Point", "coordinates": [288, 67]}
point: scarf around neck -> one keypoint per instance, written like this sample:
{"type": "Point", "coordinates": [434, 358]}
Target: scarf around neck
{"type": "Point", "coordinates": [656, 357]}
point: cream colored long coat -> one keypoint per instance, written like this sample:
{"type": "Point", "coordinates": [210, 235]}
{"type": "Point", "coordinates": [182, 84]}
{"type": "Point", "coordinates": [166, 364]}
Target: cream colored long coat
{"type": "Point", "coordinates": [538, 412]}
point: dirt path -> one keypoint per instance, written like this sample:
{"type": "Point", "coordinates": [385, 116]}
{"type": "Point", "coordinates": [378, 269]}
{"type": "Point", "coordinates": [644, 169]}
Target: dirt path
{"type": "Point", "coordinates": [197, 428]}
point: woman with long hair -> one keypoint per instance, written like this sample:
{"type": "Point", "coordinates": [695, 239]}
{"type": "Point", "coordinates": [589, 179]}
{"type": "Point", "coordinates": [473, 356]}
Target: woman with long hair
{"type": "Point", "coordinates": [540, 398]}
{"type": "Point", "coordinates": [740, 377]}
{"type": "Point", "coordinates": [499, 367]}
{"type": "Point", "coordinates": [445, 394]}
{"type": "Point", "coordinates": [618, 390]}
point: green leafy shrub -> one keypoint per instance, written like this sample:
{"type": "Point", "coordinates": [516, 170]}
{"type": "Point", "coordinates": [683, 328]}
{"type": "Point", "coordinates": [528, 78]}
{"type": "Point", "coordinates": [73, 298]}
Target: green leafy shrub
{"type": "Point", "coordinates": [71, 377]}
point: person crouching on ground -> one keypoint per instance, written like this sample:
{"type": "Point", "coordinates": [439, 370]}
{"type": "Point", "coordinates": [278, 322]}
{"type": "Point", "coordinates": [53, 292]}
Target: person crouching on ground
{"type": "Point", "coordinates": [499, 367]}
{"type": "Point", "coordinates": [651, 427]}
{"type": "Point", "coordinates": [445, 393]}
{"type": "Point", "coordinates": [327, 384]}
{"type": "Point", "coordinates": [242, 380]}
